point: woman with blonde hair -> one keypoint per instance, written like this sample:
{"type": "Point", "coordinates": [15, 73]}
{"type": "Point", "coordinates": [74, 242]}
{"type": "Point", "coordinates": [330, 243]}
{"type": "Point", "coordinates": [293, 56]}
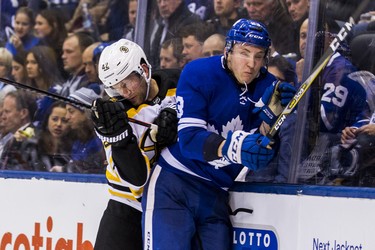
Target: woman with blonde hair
{"type": "Point", "coordinates": [5, 72]}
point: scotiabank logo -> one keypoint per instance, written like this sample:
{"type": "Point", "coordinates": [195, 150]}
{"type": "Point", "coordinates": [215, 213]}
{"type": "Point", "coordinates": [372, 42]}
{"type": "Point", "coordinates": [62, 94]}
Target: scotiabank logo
{"type": "Point", "coordinates": [254, 238]}
{"type": "Point", "coordinates": [39, 242]}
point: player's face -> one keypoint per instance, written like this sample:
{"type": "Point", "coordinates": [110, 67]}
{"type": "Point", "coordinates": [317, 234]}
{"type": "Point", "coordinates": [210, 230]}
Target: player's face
{"type": "Point", "coordinates": [245, 62]}
{"type": "Point", "coordinates": [133, 88]}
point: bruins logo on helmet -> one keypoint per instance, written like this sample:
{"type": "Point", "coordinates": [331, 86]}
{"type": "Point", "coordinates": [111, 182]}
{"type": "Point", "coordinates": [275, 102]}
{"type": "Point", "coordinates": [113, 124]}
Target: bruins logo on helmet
{"type": "Point", "coordinates": [124, 49]}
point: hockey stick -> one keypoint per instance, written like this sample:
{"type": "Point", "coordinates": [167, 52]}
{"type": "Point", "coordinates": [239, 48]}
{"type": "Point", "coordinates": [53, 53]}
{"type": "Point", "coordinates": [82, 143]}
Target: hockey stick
{"type": "Point", "coordinates": [68, 100]}
{"type": "Point", "coordinates": [315, 72]}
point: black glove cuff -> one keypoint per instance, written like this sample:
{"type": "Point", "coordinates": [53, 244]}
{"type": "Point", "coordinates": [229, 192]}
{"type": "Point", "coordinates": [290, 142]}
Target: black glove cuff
{"type": "Point", "coordinates": [211, 146]}
{"type": "Point", "coordinates": [113, 139]}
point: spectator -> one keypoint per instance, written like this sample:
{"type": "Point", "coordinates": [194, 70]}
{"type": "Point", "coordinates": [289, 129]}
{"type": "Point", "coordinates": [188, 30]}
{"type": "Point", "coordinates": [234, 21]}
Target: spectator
{"type": "Point", "coordinates": [215, 96]}
{"type": "Point", "coordinates": [73, 47]}
{"type": "Point", "coordinates": [97, 9]}
{"type": "Point", "coordinates": [87, 155]}
{"type": "Point", "coordinates": [129, 30]}
{"type": "Point", "coordinates": [89, 64]}
{"type": "Point", "coordinates": [5, 71]}
{"type": "Point", "coordinates": [63, 8]}
{"type": "Point", "coordinates": [19, 72]}
{"type": "Point", "coordinates": [115, 21]}
{"type": "Point", "coordinates": [298, 11]}
{"type": "Point", "coordinates": [214, 45]}
{"type": "Point", "coordinates": [23, 38]}
{"type": "Point", "coordinates": [8, 10]}
{"type": "Point", "coordinates": [42, 68]}
{"type": "Point", "coordinates": [203, 8]}
{"type": "Point", "coordinates": [18, 111]}
{"type": "Point", "coordinates": [278, 169]}
{"type": "Point", "coordinates": [173, 15]}
{"type": "Point", "coordinates": [171, 54]}
{"type": "Point", "coordinates": [5, 63]}
{"type": "Point", "coordinates": [274, 14]}
{"type": "Point", "coordinates": [43, 74]}
{"type": "Point", "coordinates": [5, 135]}
{"type": "Point", "coordinates": [226, 13]}
{"type": "Point", "coordinates": [343, 99]}
{"type": "Point", "coordinates": [360, 153]}
{"type": "Point", "coordinates": [49, 28]}
{"type": "Point", "coordinates": [282, 69]}
{"type": "Point", "coordinates": [193, 36]}
{"type": "Point", "coordinates": [52, 145]}
{"type": "Point", "coordinates": [131, 149]}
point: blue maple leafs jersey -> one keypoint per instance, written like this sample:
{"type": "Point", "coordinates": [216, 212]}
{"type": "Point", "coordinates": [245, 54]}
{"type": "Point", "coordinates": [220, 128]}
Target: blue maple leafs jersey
{"type": "Point", "coordinates": [343, 101]}
{"type": "Point", "coordinates": [209, 100]}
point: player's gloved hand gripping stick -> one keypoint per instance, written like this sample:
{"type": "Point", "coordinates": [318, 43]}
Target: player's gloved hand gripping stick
{"type": "Point", "coordinates": [271, 104]}
{"type": "Point", "coordinates": [266, 141]}
{"type": "Point", "coordinates": [111, 122]}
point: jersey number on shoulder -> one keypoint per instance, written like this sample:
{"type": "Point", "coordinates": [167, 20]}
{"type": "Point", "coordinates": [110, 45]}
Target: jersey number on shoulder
{"type": "Point", "coordinates": [335, 94]}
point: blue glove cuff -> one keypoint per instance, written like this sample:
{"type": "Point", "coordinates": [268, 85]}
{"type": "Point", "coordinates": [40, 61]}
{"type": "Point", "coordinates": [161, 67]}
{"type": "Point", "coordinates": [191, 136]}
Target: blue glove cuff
{"type": "Point", "coordinates": [267, 115]}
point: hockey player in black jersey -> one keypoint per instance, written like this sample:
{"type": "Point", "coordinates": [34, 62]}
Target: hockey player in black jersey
{"type": "Point", "coordinates": [130, 148]}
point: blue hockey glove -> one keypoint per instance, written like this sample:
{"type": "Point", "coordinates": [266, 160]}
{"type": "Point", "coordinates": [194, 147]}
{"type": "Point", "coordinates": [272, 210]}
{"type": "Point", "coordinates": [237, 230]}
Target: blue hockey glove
{"type": "Point", "coordinates": [244, 148]}
{"type": "Point", "coordinates": [274, 98]}
{"type": "Point", "coordinates": [111, 122]}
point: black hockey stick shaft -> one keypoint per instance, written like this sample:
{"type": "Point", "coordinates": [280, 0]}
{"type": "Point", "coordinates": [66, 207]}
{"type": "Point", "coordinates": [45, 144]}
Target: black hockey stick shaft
{"type": "Point", "coordinates": [65, 99]}
{"type": "Point", "coordinates": [316, 70]}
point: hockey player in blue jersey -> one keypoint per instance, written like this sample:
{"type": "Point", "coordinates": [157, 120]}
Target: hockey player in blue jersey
{"type": "Point", "coordinates": [131, 148]}
{"type": "Point", "coordinates": [185, 203]}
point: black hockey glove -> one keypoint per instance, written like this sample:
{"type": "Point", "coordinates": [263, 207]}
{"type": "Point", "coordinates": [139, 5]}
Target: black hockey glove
{"type": "Point", "coordinates": [167, 127]}
{"type": "Point", "coordinates": [111, 122]}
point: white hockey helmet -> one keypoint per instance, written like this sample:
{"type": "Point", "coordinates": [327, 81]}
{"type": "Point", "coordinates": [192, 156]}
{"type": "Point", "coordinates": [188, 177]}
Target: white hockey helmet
{"type": "Point", "coordinates": [118, 61]}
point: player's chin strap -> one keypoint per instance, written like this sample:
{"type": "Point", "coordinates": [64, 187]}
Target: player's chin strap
{"type": "Point", "coordinates": [148, 82]}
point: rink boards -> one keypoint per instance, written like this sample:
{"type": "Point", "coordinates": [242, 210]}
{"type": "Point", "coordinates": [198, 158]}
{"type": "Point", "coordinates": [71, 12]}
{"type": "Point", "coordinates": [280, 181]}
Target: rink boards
{"type": "Point", "coordinates": [54, 211]}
